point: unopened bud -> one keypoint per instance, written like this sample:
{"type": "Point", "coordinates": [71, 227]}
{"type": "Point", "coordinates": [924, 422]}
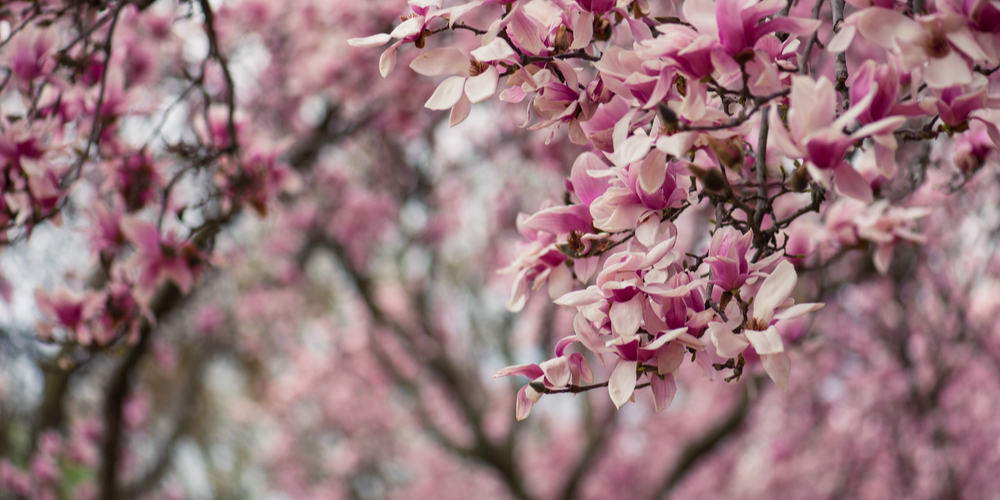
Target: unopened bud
{"type": "Point", "coordinates": [562, 41]}
{"type": "Point", "coordinates": [729, 153]}
{"type": "Point", "coordinates": [667, 116]}
{"type": "Point", "coordinates": [799, 180]}
{"type": "Point", "coordinates": [712, 179]}
{"type": "Point", "coordinates": [602, 29]}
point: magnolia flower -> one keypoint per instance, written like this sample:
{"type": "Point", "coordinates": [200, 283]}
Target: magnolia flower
{"type": "Point", "coordinates": [727, 257]}
{"type": "Point", "coordinates": [476, 81]}
{"type": "Point", "coordinates": [936, 44]}
{"type": "Point", "coordinates": [410, 30]}
{"type": "Point", "coordinates": [815, 135]}
{"type": "Point", "coordinates": [770, 306]}
{"type": "Point", "coordinates": [737, 25]}
{"type": "Point", "coordinates": [555, 373]}
{"type": "Point", "coordinates": [161, 257]}
{"type": "Point", "coordinates": [70, 310]}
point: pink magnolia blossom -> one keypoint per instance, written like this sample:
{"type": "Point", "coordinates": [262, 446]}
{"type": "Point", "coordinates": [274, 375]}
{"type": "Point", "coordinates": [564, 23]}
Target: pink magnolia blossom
{"type": "Point", "coordinates": [69, 310]}
{"type": "Point", "coordinates": [476, 81]}
{"type": "Point", "coordinates": [771, 305]}
{"type": "Point", "coordinates": [160, 257]}
{"type": "Point", "coordinates": [816, 135]}
{"type": "Point", "coordinates": [937, 44]}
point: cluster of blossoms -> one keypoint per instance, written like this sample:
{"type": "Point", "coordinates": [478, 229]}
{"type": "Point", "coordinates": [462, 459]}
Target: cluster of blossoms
{"type": "Point", "coordinates": [78, 83]}
{"type": "Point", "coordinates": [727, 110]}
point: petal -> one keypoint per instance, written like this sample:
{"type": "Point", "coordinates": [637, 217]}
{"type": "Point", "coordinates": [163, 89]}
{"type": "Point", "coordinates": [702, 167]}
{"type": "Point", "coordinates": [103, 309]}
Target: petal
{"type": "Point", "coordinates": [797, 310]}
{"type": "Point", "coordinates": [460, 112]}
{"type": "Point", "coordinates": [443, 61]}
{"type": "Point", "coordinates": [664, 338]}
{"type": "Point", "coordinates": [524, 402]}
{"type": "Point", "coordinates": [626, 317]}
{"type": "Point", "coordinates": [370, 41]}
{"type": "Point", "coordinates": [447, 94]}
{"type": "Point", "coordinates": [663, 390]}
{"type": "Point", "coordinates": [409, 27]}
{"type": "Point", "coordinates": [142, 234]}
{"type": "Point", "coordinates": [851, 183]}
{"type": "Point", "coordinates": [481, 87]}
{"type": "Point", "coordinates": [580, 297]}
{"type": "Point", "coordinates": [622, 383]}
{"type": "Point", "coordinates": [387, 61]}
{"type": "Point", "coordinates": [530, 370]}
{"type": "Point", "coordinates": [583, 31]}
{"type": "Point", "coordinates": [948, 71]}
{"type": "Point", "coordinates": [727, 344]}
{"type": "Point", "coordinates": [556, 371]}
{"type": "Point", "coordinates": [778, 366]}
{"type": "Point", "coordinates": [775, 289]}
{"type": "Point", "coordinates": [653, 171]}
{"type": "Point", "coordinates": [882, 258]}
{"type": "Point", "coordinates": [765, 342]}
{"type": "Point", "coordinates": [494, 51]}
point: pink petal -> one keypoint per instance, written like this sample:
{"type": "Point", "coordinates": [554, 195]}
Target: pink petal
{"type": "Point", "coordinates": [531, 371]}
{"type": "Point", "coordinates": [447, 94]}
{"type": "Point", "coordinates": [626, 317]}
{"type": "Point", "coordinates": [851, 183]}
{"type": "Point", "coordinates": [556, 371]}
{"type": "Point", "coordinates": [524, 402]}
{"type": "Point", "coordinates": [882, 258]}
{"type": "Point", "coordinates": [775, 289]}
{"type": "Point", "coordinates": [947, 71]}
{"type": "Point", "coordinates": [765, 342]}
{"type": "Point", "coordinates": [586, 186]}
{"type": "Point", "coordinates": [443, 61]}
{"type": "Point", "coordinates": [580, 297]}
{"type": "Point", "coordinates": [778, 366]}
{"type": "Point", "coordinates": [409, 27]}
{"type": "Point", "coordinates": [460, 112]}
{"type": "Point", "coordinates": [142, 234]}
{"type": "Point", "coordinates": [370, 41]}
{"type": "Point", "coordinates": [727, 344]}
{"type": "Point", "coordinates": [797, 310]}
{"type": "Point", "coordinates": [664, 390]}
{"type": "Point", "coordinates": [622, 383]}
{"type": "Point", "coordinates": [494, 51]}
{"type": "Point", "coordinates": [387, 61]}
{"type": "Point", "coordinates": [583, 30]}
{"type": "Point", "coordinates": [481, 87]}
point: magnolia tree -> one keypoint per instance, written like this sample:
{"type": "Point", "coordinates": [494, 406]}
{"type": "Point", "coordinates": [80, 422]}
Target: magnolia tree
{"type": "Point", "coordinates": [268, 270]}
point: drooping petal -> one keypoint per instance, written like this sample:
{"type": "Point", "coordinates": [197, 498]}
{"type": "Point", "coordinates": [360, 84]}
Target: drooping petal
{"type": "Point", "coordinates": [447, 94]}
{"type": "Point", "coordinates": [622, 382]}
{"type": "Point", "coordinates": [664, 390]}
{"type": "Point", "coordinates": [460, 112]}
{"type": "Point", "coordinates": [525, 401]}
{"type": "Point", "coordinates": [778, 366]}
{"type": "Point", "coordinates": [387, 61]}
{"type": "Point", "coordinates": [583, 31]}
{"type": "Point", "coordinates": [851, 183]}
